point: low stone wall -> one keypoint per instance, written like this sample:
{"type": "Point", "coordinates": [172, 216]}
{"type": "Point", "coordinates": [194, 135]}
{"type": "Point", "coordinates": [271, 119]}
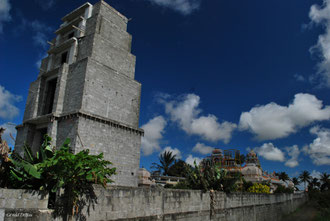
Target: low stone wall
{"type": "Point", "coordinates": [18, 204]}
{"type": "Point", "coordinates": [23, 199]}
{"type": "Point", "coordinates": [126, 203]}
{"type": "Point", "coordinates": [167, 204]}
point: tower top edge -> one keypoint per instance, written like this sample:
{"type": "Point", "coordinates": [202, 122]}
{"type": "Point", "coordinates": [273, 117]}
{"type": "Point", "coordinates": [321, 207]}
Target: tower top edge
{"type": "Point", "coordinates": [76, 11]}
{"type": "Point", "coordinates": [113, 9]}
{"type": "Point", "coordinates": [81, 8]}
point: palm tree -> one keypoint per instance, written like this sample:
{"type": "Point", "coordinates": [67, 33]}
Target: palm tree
{"type": "Point", "coordinates": [314, 184]}
{"type": "Point", "coordinates": [305, 177]}
{"type": "Point", "coordinates": [296, 182]}
{"type": "Point", "coordinates": [325, 179]}
{"type": "Point", "coordinates": [166, 160]}
{"type": "Point", "coordinates": [178, 169]}
{"type": "Point", "coordinates": [283, 176]}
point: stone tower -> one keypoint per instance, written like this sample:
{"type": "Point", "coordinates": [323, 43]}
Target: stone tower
{"type": "Point", "coordinates": [86, 91]}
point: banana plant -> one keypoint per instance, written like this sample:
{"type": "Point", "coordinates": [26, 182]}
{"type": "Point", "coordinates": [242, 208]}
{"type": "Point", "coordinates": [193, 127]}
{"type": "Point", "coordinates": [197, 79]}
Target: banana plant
{"type": "Point", "coordinates": [25, 171]}
{"type": "Point", "coordinates": [51, 169]}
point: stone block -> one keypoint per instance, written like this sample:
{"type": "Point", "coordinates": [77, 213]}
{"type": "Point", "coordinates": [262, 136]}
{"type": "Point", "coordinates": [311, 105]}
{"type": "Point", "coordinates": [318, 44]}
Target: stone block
{"type": "Point", "coordinates": [20, 204]}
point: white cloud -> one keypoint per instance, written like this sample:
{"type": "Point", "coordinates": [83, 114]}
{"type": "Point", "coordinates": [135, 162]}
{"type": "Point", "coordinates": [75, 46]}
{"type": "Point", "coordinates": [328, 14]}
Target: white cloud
{"type": "Point", "coordinates": [293, 152]}
{"type": "Point", "coordinates": [45, 5]}
{"type": "Point", "coordinates": [41, 56]}
{"type": "Point", "coordinates": [37, 25]}
{"type": "Point", "coordinates": [40, 39]}
{"type": "Point", "coordinates": [209, 128]}
{"type": "Point", "coordinates": [10, 129]}
{"type": "Point", "coordinates": [319, 150]}
{"type": "Point", "coordinates": [7, 108]}
{"type": "Point", "coordinates": [175, 151]}
{"type": "Point", "coordinates": [270, 152]}
{"type": "Point", "coordinates": [153, 133]}
{"type": "Point", "coordinates": [185, 112]}
{"type": "Point", "coordinates": [321, 16]}
{"type": "Point", "coordinates": [190, 160]}
{"type": "Point", "coordinates": [202, 148]}
{"type": "Point", "coordinates": [183, 6]}
{"type": "Point", "coordinates": [299, 77]}
{"type": "Point", "coordinates": [272, 121]}
{"type": "Point", "coordinates": [316, 174]}
{"type": "Point", "coordinates": [4, 13]}
{"type": "Point", "coordinates": [40, 32]}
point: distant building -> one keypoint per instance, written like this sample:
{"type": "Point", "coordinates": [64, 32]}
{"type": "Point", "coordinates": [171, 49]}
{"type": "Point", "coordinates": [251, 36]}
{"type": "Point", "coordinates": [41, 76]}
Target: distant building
{"type": "Point", "coordinates": [230, 160]}
{"type": "Point", "coordinates": [253, 172]}
{"type": "Point", "coordinates": [155, 178]}
{"type": "Point", "coordinates": [145, 178]}
{"type": "Point", "coordinates": [163, 180]}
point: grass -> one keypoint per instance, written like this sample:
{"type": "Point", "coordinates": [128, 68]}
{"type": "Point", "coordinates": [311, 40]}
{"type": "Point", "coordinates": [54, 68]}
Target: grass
{"type": "Point", "coordinates": [320, 217]}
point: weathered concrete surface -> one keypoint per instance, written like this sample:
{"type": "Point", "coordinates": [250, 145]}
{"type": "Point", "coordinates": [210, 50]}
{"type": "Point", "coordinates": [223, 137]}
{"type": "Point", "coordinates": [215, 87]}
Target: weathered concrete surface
{"type": "Point", "coordinates": [18, 204]}
{"type": "Point", "coordinates": [22, 199]}
{"type": "Point", "coordinates": [119, 145]}
{"type": "Point", "coordinates": [97, 100]}
{"type": "Point", "coordinates": [27, 215]}
{"type": "Point", "coordinates": [129, 203]}
{"type": "Point", "coordinates": [166, 204]}
{"type": "Point", "coordinates": [120, 203]}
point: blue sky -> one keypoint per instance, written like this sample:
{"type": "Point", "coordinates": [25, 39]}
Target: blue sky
{"type": "Point", "coordinates": [214, 73]}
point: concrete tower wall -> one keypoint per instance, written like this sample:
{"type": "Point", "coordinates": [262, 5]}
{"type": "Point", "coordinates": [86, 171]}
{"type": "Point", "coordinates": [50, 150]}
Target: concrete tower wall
{"type": "Point", "coordinates": [86, 91]}
{"type": "Point", "coordinates": [119, 145]}
{"type": "Point", "coordinates": [110, 94]}
{"type": "Point", "coordinates": [74, 88]}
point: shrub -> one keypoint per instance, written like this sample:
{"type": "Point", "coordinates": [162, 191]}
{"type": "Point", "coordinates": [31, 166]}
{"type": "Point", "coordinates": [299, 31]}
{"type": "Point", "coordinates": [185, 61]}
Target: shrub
{"type": "Point", "coordinates": [53, 169]}
{"type": "Point", "coordinates": [5, 162]}
{"type": "Point", "coordinates": [246, 185]}
{"type": "Point", "coordinates": [259, 188]}
{"type": "Point", "coordinates": [323, 202]}
{"type": "Point", "coordinates": [209, 178]}
{"type": "Point", "coordinates": [181, 185]}
{"type": "Point", "coordinates": [283, 189]}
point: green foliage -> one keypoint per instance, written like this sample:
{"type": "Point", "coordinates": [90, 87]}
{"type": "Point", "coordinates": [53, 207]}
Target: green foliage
{"type": "Point", "coordinates": [283, 176]}
{"type": "Point", "coordinates": [323, 203]}
{"type": "Point", "coordinates": [322, 217]}
{"type": "Point", "coordinates": [26, 171]}
{"type": "Point", "coordinates": [66, 169]}
{"type": "Point", "coordinates": [259, 188]}
{"type": "Point", "coordinates": [166, 160]}
{"type": "Point", "coordinates": [314, 184]}
{"type": "Point", "coordinates": [210, 178]}
{"type": "Point", "coordinates": [325, 180]}
{"type": "Point", "coordinates": [246, 185]}
{"type": "Point", "coordinates": [75, 173]}
{"type": "Point", "coordinates": [5, 162]}
{"type": "Point", "coordinates": [296, 182]}
{"type": "Point", "coordinates": [183, 184]}
{"type": "Point", "coordinates": [283, 189]}
{"type": "Point", "coordinates": [305, 177]}
{"type": "Point", "coordinates": [52, 170]}
{"type": "Point", "coordinates": [170, 186]}
{"type": "Point", "coordinates": [178, 169]}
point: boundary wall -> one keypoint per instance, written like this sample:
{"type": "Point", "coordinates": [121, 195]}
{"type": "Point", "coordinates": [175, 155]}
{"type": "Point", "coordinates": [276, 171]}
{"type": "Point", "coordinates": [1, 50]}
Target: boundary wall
{"type": "Point", "coordinates": [137, 203]}
{"type": "Point", "coordinates": [18, 204]}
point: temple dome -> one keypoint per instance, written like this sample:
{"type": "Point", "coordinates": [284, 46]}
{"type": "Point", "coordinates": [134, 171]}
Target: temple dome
{"type": "Point", "coordinates": [251, 170]}
{"type": "Point", "coordinates": [216, 151]}
{"type": "Point", "coordinates": [252, 154]}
